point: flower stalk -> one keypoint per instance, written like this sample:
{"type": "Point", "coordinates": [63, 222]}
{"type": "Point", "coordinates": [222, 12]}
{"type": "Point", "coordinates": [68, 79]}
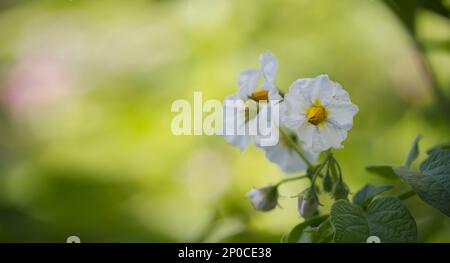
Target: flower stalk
{"type": "Point", "coordinates": [406, 194]}
{"type": "Point", "coordinates": [291, 179]}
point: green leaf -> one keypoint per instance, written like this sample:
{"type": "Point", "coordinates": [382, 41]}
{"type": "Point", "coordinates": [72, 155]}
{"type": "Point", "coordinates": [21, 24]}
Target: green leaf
{"type": "Point", "coordinates": [386, 218]}
{"type": "Point", "coordinates": [439, 147]}
{"type": "Point", "coordinates": [413, 152]}
{"type": "Point", "coordinates": [307, 235]}
{"type": "Point", "coordinates": [437, 160]}
{"type": "Point", "coordinates": [321, 234]}
{"type": "Point", "coordinates": [296, 233]}
{"type": "Point", "coordinates": [325, 233]}
{"type": "Point", "coordinates": [349, 221]}
{"type": "Point", "coordinates": [432, 183]}
{"type": "Point", "coordinates": [364, 196]}
{"type": "Point", "coordinates": [383, 170]}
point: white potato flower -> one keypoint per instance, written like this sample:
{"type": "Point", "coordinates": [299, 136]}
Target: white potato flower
{"type": "Point", "coordinates": [251, 92]}
{"type": "Point", "coordinates": [320, 112]}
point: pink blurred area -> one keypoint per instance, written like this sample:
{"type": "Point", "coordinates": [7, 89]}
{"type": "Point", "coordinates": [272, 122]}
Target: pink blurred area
{"type": "Point", "coordinates": [33, 85]}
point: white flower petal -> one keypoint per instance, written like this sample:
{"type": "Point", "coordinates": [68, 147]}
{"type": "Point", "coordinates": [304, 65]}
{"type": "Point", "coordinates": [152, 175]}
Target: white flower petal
{"type": "Point", "coordinates": [342, 115]}
{"type": "Point", "coordinates": [298, 94]}
{"type": "Point", "coordinates": [333, 135]}
{"type": "Point", "coordinates": [340, 96]}
{"type": "Point", "coordinates": [247, 81]}
{"type": "Point", "coordinates": [306, 134]}
{"type": "Point", "coordinates": [273, 92]}
{"type": "Point", "coordinates": [240, 141]}
{"type": "Point", "coordinates": [235, 120]}
{"type": "Point", "coordinates": [294, 122]}
{"type": "Point", "coordinates": [313, 90]}
{"type": "Point", "coordinates": [322, 90]}
{"type": "Point", "coordinates": [269, 66]}
{"type": "Point", "coordinates": [287, 159]}
{"type": "Point", "coordinates": [276, 154]}
{"type": "Point", "coordinates": [295, 104]}
{"type": "Point", "coordinates": [268, 125]}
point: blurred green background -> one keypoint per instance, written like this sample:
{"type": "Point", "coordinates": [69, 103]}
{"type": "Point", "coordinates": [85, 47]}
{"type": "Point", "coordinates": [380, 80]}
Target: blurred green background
{"type": "Point", "coordinates": [86, 89]}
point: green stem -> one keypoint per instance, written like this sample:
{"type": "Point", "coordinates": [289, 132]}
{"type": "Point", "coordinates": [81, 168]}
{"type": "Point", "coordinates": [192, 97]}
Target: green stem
{"type": "Point", "coordinates": [295, 147]}
{"type": "Point", "coordinates": [291, 179]}
{"type": "Point", "coordinates": [407, 194]}
{"type": "Point", "coordinates": [339, 169]}
{"type": "Point", "coordinates": [317, 171]}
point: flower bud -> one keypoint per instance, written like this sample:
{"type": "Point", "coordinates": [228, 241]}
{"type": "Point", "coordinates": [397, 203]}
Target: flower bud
{"type": "Point", "coordinates": [327, 183]}
{"type": "Point", "coordinates": [340, 190]}
{"type": "Point", "coordinates": [308, 204]}
{"type": "Point", "coordinates": [264, 199]}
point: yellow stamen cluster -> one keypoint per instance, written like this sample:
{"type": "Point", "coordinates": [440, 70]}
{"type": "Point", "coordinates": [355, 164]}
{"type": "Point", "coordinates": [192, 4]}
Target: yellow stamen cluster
{"type": "Point", "coordinates": [260, 94]}
{"type": "Point", "coordinates": [316, 114]}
